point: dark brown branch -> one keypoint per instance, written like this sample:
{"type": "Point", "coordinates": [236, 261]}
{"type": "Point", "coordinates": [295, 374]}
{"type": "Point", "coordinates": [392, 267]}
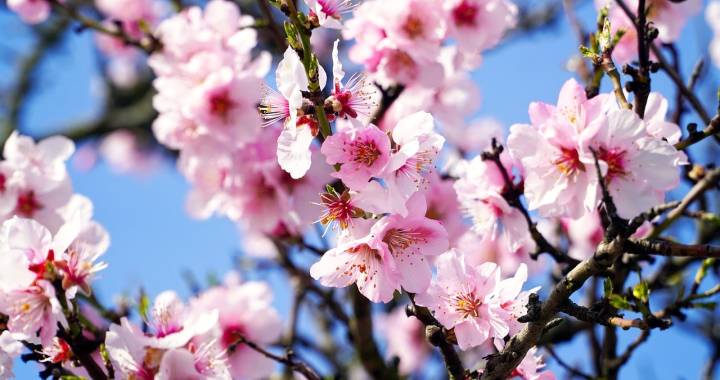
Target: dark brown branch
{"type": "Point", "coordinates": [712, 129]}
{"type": "Point", "coordinates": [671, 249]}
{"type": "Point", "coordinates": [500, 366]}
{"type": "Point", "coordinates": [437, 335]}
{"type": "Point", "coordinates": [710, 180]}
{"type": "Point", "coordinates": [587, 315]}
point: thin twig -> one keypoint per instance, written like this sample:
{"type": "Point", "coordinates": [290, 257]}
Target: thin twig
{"type": "Point", "coordinates": [288, 360]}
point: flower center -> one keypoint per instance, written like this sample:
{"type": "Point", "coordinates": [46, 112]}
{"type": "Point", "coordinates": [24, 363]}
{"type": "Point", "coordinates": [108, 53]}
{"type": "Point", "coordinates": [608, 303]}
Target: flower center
{"type": "Point", "coordinates": [365, 152]}
{"type": "Point", "coordinates": [413, 27]}
{"type": "Point", "coordinates": [569, 162]}
{"type": "Point", "coordinates": [231, 335]}
{"type": "Point", "coordinates": [399, 239]}
{"type": "Point", "coordinates": [221, 104]}
{"type": "Point", "coordinates": [2, 183]}
{"type": "Point", "coordinates": [465, 14]}
{"type": "Point", "coordinates": [27, 204]}
{"type": "Point", "coordinates": [339, 209]}
{"type": "Point", "coordinates": [615, 160]}
{"type": "Point", "coordinates": [468, 304]}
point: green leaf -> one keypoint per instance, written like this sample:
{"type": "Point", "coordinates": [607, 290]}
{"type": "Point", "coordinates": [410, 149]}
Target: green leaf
{"type": "Point", "coordinates": [607, 287]}
{"type": "Point", "coordinates": [588, 53]}
{"type": "Point", "coordinates": [72, 377]}
{"type": "Point", "coordinates": [619, 302]}
{"type": "Point", "coordinates": [143, 305]}
{"type": "Point", "coordinates": [641, 291]}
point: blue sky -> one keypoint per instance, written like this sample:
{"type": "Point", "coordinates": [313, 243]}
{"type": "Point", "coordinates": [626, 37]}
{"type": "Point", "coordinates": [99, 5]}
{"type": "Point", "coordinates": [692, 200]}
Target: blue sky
{"type": "Point", "coordinates": [154, 241]}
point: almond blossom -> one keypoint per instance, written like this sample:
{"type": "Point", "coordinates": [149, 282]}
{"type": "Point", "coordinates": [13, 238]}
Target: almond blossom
{"type": "Point", "coordinates": [362, 152]}
{"type": "Point", "coordinates": [329, 13]}
{"type": "Point", "coordinates": [559, 175]}
{"type": "Point", "coordinates": [479, 24]}
{"type": "Point", "coordinates": [463, 298]}
{"type": "Point", "coordinates": [10, 348]}
{"type": "Point", "coordinates": [357, 98]}
{"type": "Point", "coordinates": [293, 148]}
{"type": "Point", "coordinates": [30, 11]}
{"type": "Point", "coordinates": [389, 255]}
{"type": "Point", "coordinates": [244, 310]}
{"type": "Point", "coordinates": [532, 367]}
{"type": "Point", "coordinates": [480, 191]}
{"type": "Point", "coordinates": [409, 167]}
{"type": "Point", "coordinates": [638, 168]}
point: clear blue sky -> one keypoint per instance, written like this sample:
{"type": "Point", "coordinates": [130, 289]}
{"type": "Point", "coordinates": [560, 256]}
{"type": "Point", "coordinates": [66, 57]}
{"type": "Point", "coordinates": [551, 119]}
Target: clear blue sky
{"type": "Point", "coordinates": [154, 241]}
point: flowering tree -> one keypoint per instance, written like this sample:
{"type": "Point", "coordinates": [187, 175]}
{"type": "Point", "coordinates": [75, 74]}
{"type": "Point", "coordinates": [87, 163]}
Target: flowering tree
{"type": "Point", "coordinates": [388, 213]}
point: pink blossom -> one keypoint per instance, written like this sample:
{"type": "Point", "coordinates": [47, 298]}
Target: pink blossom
{"type": "Point", "coordinates": [10, 348]}
{"type": "Point", "coordinates": [464, 298]}
{"type": "Point", "coordinates": [34, 312]}
{"type": "Point", "coordinates": [125, 154]}
{"type": "Point", "coordinates": [129, 351]}
{"type": "Point", "coordinates": [58, 352]}
{"type": "Point", "coordinates": [443, 206]}
{"type": "Point", "coordinates": [480, 249]}
{"type": "Point", "coordinates": [126, 10]}
{"type": "Point", "coordinates": [414, 26]}
{"type": "Point", "coordinates": [559, 175]}
{"type": "Point", "coordinates": [475, 136]}
{"type": "Point", "coordinates": [245, 310]}
{"type": "Point", "coordinates": [481, 191]}
{"type": "Point", "coordinates": [225, 105]}
{"type": "Point", "coordinates": [514, 300]}
{"type": "Point", "coordinates": [405, 339]}
{"type": "Point", "coordinates": [450, 102]}
{"type": "Point", "coordinates": [480, 24]}
{"type": "Point", "coordinates": [357, 98]}
{"type": "Point", "coordinates": [362, 152]}
{"type": "Point", "coordinates": [390, 255]}
{"type": "Point", "coordinates": [391, 52]}
{"type": "Point", "coordinates": [207, 361]}
{"type": "Point", "coordinates": [638, 168]}
{"type": "Point", "coordinates": [293, 148]}
{"type": "Point", "coordinates": [409, 167]}
{"type": "Point", "coordinates": [30, 11]}
{"type": "Point", "coordinates": [44, 160]}
{"type": "Point", "coordinates": [174, 324]}
{"type": "Point", "coordinates": [532, 368]}
{"type": "Point", "coordinates": [329, 12]}
{"type": "Point", "coordinates": [584, 235]}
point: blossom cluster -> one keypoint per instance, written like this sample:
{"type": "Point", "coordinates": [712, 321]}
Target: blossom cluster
{"type": "Point", "coordinates": [201, 339]}
{"type": "Point", "coordinates": [49, 251]}
{"type": "Point", "coordinates": [315, 147]}
{"type": "Point", "coordinates": [49, 244]}
{"type": "Point", "coordinates": [208, 86]}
